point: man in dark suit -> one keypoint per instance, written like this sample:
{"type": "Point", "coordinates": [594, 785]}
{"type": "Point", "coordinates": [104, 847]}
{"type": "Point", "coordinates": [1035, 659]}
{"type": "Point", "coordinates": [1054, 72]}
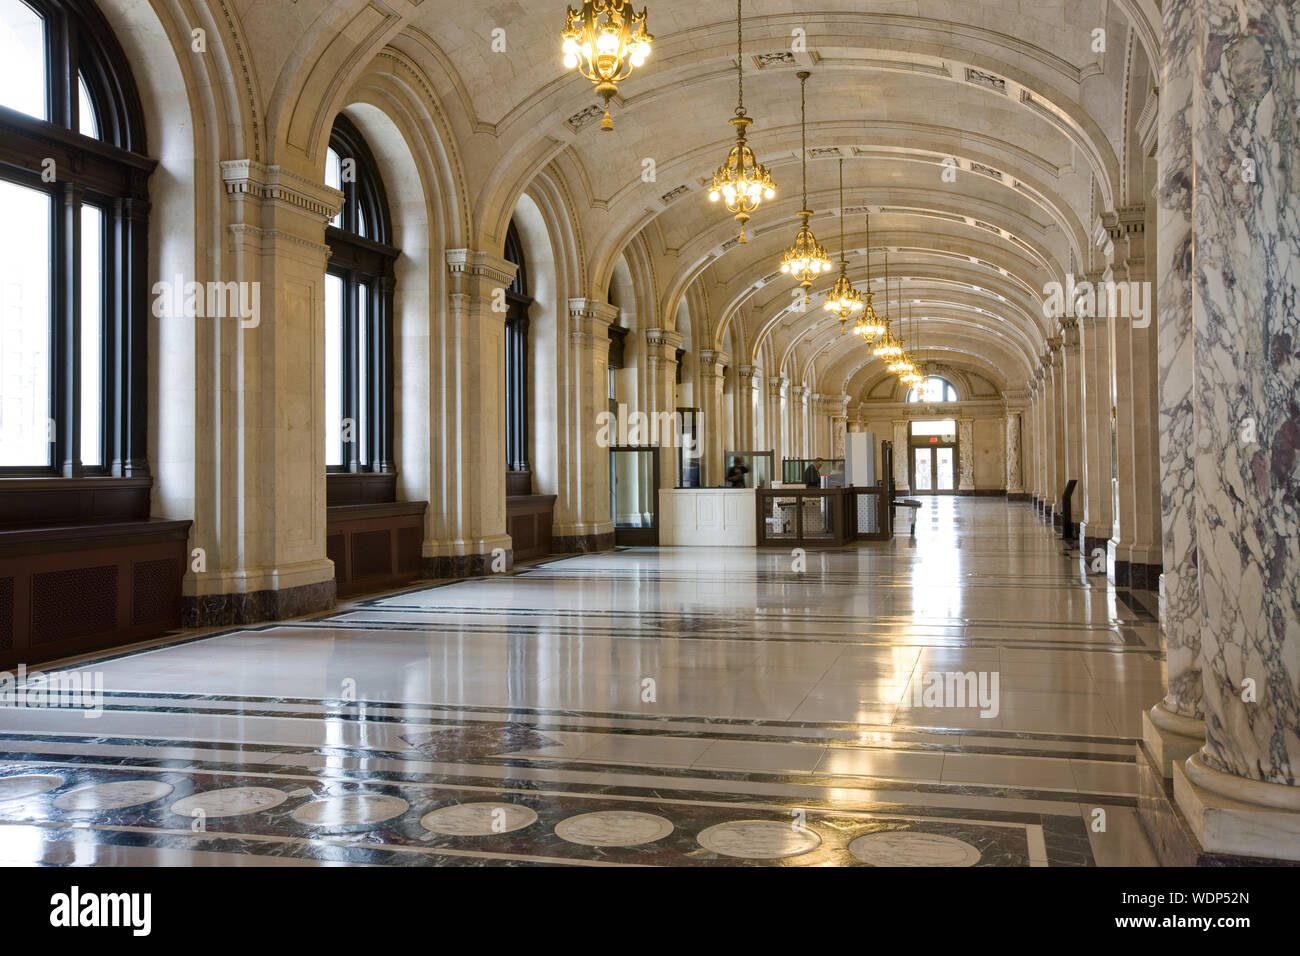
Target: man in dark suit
{"type": "Point", "coordinates": [812, 475]}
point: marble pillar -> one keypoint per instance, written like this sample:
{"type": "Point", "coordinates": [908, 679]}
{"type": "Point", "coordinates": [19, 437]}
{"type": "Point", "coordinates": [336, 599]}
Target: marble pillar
{"type": "Point", "coordinates": [713, 366]}
{"type": "Point", "coordinates": [902, 459]}
{"type": "Point", "coordinates": [1135, 549]}
{"type": "Point", "coordinates": [262, 412]}
{"type": "Point", "coordinates": [661, 367]}
{"type": "Point", "coordinates": [1241, 793]}
{"type": "Point", "coordinates": [1174, 728]}
{"type": "Point", "coordinates": [776, 419]}
{"type": "Point", "coordinates": [797, 444]}
{"type": "Point", "coordinates": [748, 395]}
{"type": "Point", "coordinates": [1058, 471]}
{"type": "Point", "coordinates": [1095, 528]}
{"type": "Point", "coordinates": [1072, 372]}
{"type": "Point", "coordinates": [1015, 482]}
{"type": "Point", "coordinates": [582, 520]}
{"type": "Point", "coordinates": [966, 456]}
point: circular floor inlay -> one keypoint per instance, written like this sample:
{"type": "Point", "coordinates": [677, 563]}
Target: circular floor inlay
{"type": "Point", "coordinates": [909, 848]}
{"type": "Point", "coordinates": [613, 828]}
{"type": "Point", "coordinates": [27, 785]}
{"type": "Point", "coordinates": [113, 796]}
{"type": "Point", "coordinates": [230, 802]}
{"type": "Point", "coordinates": [350, 810]}
{"type": "Point", "coordinates": [478, 819]}
{"type": "Point", "coordinates": [758, 840]}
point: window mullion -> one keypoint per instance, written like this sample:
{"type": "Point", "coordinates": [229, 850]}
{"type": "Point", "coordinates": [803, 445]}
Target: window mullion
{"type": "Point", "coordinates": [67, 329]}
{"type": "Point", "coordinates": [351, 391]}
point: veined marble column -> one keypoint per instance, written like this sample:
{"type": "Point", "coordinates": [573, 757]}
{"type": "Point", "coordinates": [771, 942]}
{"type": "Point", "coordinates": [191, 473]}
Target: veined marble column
{"type": "Point", "coordinates": [966, 455]}
{"type": "Point", "coordinates": [1241, 793]}
{"type": "Point", "coordinates": [902, 459]}
{"type": "Point", "coordinates": [661, 353]}
{"type": "Point", "coordinates": [1015, 480]}
{"type": "Point", "coordinates": [713, 366]}
{"type": "Point", "coordinates": [748, 395]}
{"type": "Point", "coordinates": [582, 519]}
{"type": "Point", "coordinates": [1094, 349]}
{"type": "Point", "coordinates": [259, 461]}
{"type": "Point", "coordinates": [1174, 728]}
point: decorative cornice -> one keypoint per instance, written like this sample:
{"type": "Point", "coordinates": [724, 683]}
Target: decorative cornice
{"type": "Point", "coordinates": [593, 309]}
{"type": "Point", "coordinates": [246, 178]}
{"type": "Point", "coordinates": [712, 357]}
{"type": "Point", "coordinates": [663, 337]}
{"type": "Point", "coordinates": [748, 374]}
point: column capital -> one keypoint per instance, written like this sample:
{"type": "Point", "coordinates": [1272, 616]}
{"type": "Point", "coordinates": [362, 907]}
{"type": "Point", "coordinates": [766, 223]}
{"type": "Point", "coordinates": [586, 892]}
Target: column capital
{"type": "Point", "coordinates": [663, 338]}
{"type": "Point", "coordinates": [602, 312]}
{"type": "Point", "coordinates": [777, 385]}
{"type": "Point", "coordinates": [748, 374]}
{"type": "Point", "coordinates": [710, 358]}
{"type": "Point", "coordinates": [1014, 398]}
{"type": "Point", "coordinates": [247, 179]}
{"type": "Point", "coordinates": [470, 263]}
{"type": "Point", "coordinates": [800, 393]}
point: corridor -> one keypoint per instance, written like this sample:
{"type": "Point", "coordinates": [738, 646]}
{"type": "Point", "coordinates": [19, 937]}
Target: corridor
{"type": "Point", "coordinates": [663, 707]}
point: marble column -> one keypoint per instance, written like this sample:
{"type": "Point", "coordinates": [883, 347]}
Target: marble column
{"type": "Point", "coordinates": [966, 456]}
{"type": "Point", "coordinates": [582, 519]}
{"type": "Point", "coordinates": [748, 395]}
{"type": "Point", "coordinates": [902, 458]}
{"type": "Point", "coordinates": [1046, 443]}
{"type": "Point", "coordinates": [1241, 793]}
{"type": "Point", "coordinates": [776, 419]}
{"type": "Point", "coordinates": [1174, 728]}
{"type": "Point", "coordinates": [797, 444]}
{"type": "Point", "coordinates": [1033, 443]}
{"type": "Point", "coordinates": [713, 366]}
{"type": "Point", "coordinates": [1057, 470]}
{"type": "Point", "coordinates": [1015, 480]}
{"type": "Point", "coordinates": [1094, 350]}
{"type": "Point", "coordinates": [1072, 372]}
{"type": "Point", "coordinates": [259, 459]}
{"type": "Point", "coordinates": [661, 365]}
{"type": "Point", "coordinates": [1135, 549]}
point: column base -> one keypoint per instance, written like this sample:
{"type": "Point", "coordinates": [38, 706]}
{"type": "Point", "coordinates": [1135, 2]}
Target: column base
{"type": "Point", "coordinates": [218, 610]}
{"type": "Point", "coordinates": [1235, 816]}
{"type": "Point", "coordinates": [1017, 496]}
{"type": "Point", "coordinates": [1128, 574]}
{"type": "Point", "coordinates": [1172, 837]}
{"type": "Point", "coordinates": [463, 565]}
{"type": "Point", "coordinates": [582, 543]}
{"type": "Point", "coordinates": [1170, 738]}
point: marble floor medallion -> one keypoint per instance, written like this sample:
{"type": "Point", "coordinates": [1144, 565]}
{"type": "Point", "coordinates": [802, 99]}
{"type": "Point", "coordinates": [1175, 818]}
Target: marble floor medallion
{"type": "Point", "coordinates": [478, 819]}
{"type": "Point", "coordinates": [758, 840]}
{"type": "Point", "coordinates": [613, 828]}
{"type": "Point", "coordinates": [113, 796]}
{"type": "Point", "coordinates": [908, 848]}
{"type": "Point", "coordinates": [27, 785]}
{"type": "Point", "coordinates": [230, 802]}
{"type": "Point", "coordinates": [350, 810]}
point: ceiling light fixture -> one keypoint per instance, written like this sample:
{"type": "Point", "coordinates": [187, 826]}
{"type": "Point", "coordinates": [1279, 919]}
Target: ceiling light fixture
{"type": "Point", "coordinates": [742, 181]}
{"type": "Point", "coordinates": [807, 258]}
{"type": "Point", "coordinates": [605, 41]}
{"type": "Point", "coordinates": [868, 324]}
{"type": "Point", "coordinates": [843, 300]}
{"type": "Point", "coordinates": [889, 347]}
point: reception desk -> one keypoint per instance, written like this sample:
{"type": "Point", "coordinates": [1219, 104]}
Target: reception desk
{"type": "Point", "coordinates": [708, 517]}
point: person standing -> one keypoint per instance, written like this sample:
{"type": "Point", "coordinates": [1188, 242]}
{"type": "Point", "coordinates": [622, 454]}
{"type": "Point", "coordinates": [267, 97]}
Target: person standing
{"type": "Point", "coordinates": [812, 475]}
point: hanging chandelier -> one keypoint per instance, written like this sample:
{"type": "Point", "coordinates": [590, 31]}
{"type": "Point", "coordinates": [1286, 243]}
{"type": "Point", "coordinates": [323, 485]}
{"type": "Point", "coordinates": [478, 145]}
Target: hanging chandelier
{"type": "Point", "coordinates": [742, 181]}
{"type": "Point", "coordinates": [843, 300]}
{"type": "Point", "coordinates": [806, 259]}
{"type": "Point", "coordinates": [902, 364]}
{"type": "Point", "coordinates": [868, 324]}
{"type": "Point", "coordinates": [908, 372]}
{"type": "Point", "coordinates": [605, 41]}
{"type": "Point", "coordinates": [889, 347]}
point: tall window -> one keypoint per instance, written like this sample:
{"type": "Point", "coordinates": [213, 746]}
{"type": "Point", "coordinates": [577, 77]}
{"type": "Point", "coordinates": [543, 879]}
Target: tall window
{"type": "Point", "coordinates": [517, 303]}
{"type": "Point", "coordinates": [74, 293]}
{"type": "Point", "coordinates": [358, 312]}
{"type": "Point", "coordinates": [933, 389]}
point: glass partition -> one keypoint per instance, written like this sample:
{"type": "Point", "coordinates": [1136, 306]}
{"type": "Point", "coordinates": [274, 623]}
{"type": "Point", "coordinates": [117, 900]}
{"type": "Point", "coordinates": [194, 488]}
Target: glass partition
{"type": "Point", "coordinates": [757, 465]}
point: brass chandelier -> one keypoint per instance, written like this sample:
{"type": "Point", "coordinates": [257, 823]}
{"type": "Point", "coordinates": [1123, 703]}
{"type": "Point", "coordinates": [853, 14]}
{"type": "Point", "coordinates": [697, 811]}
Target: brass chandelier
{"type": "Point", "coordinates": [843, 300]}
{"type": "Point", "coordinates": [605, 41]}
{"type": "Point", "coordinates": [868, 324]}
{"type": "Point", "coordinates": [807, 258]}
{"type": "Point", "coordinates": [889, 348]}
{"type": "Point", "coordinates": [742, 181]}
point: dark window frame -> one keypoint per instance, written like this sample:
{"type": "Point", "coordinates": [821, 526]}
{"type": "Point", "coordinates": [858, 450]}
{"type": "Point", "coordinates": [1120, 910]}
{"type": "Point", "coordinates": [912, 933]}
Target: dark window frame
{"type": "Point", "coordinates": [517, 404]}
{"type": "Point", "coordinates": [365, 263]}
{"type": "Point", "coordinates": [110, 172]}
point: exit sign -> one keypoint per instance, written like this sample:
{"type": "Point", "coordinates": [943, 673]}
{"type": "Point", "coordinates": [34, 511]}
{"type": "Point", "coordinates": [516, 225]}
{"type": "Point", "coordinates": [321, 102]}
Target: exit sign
{"type": "Point", "coordinates": [934, 440]}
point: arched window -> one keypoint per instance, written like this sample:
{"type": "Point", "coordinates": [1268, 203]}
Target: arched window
{"type": "Point", "coordinates": [74, 290]}
{"type": "Point", "coordinates": [358, 311]}
{"type": "Point", "coordinates": [933, 389]}
{"type": "Point", "coordinates": [516, 398]}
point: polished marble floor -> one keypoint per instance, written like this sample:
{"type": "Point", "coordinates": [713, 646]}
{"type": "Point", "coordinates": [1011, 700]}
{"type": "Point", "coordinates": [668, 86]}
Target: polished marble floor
{"type": "Point", "coordinates": [677, 707]}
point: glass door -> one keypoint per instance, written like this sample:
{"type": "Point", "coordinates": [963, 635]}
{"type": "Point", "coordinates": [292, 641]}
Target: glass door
{"type": "Point", "coordinates": [634, 495]}
{"type": "Point", "coordinates": [934, 470]}
{"type": "Point", "coordinates": [945, 472]}
{"type": "Point", "coordinates": [922, 471]}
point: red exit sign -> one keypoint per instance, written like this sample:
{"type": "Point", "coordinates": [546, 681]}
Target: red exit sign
{"type": "Point", "coordinates": [934, 440]}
